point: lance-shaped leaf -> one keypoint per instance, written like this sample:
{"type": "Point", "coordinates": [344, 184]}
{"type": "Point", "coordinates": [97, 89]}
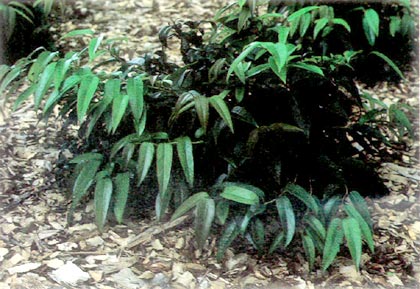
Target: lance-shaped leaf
{"type": "Point", "coordinates": [320, 24]}
{"type": "Point", "coordinates": [83, 181]}
{"type": "Point", "coordinates": [222, 211]}
{"type": "Point", "coordinates": [146, 154]}
{"type": "Point", "coordinates": [353, 236]}
{"type": "Point", "coordinates": [186, 158]}
{"type": "Point", "coordinates": [189, 204]}
{"type": "Point", "coordinates": [87, 157]}
{"type": "Point", "coordinates": [305, 21]}
{"type": "Point", "coordinates": [287, 218]}
{"type": "Point", "coordinates": [93, 46]}
{"type": "Point", "coordinates": [309, 247]}
{"type": "Point", "coordinates": [44, 83]}
{"type": "Point", "coordinates": [309, 67]}
{"type": "Point", "coordinates": [389, 62]}
{"type": "Point", "coordinates": [364, 227]}
{"type": "Point", "coordinates": [360, 205]}
{"type": "Point", "coordinates": [40, 63]}
{"type": "Point", "coordinates": [102, 198]}
{"type": "Point", "coordinates": [302, 195]}
{"type": "Point", "coordinates": [24, 96]}
{"type": "Point", "coordinates": [342, 22]}
{"type": "Point", "coordinates": [163, 165]}
{"type": "Point", "coordinates": [332, 243]}
{"type": "Point", "coordinates": [87, 90]}
{"type": "Point", "coordinates": [371, 25]}
{"type": "Point", "coordinates": [78, 32]}
{"type": "Point", "coordinates": [296, 15]}
{"type": "Point", "coordinates": [201, 104]}
{"type": "Point", "coordinates": [229, 234]}
{"type": "Point", "coordinates": [122, 185]}
{"type": "Point", "coordinates": [240, 195]}
{"type": "Point", "coordinates": [135, 93]}
{"type": "Point", "coordinates": [119, 106]}
{"type": "Point", "coordinates": [277, 242]}
{"type": "Point", "coordinates": [317, 227]}
{"type": "Point", "coordinates": [204, 218]}
{"type": "Point", "coordinates": [122, 143]}
{"type": "Point", "coordinates": [222, 109]}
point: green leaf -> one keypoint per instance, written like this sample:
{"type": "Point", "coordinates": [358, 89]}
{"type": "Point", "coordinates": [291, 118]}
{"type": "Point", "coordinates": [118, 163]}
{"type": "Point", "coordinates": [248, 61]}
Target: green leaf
{"type": "Point", "coordinates": [240, 195]}
{"type": "Point", "coordinates": [79, 32]}
{"type": "Point", "coordinates": [222, 211]}
{"type": "Point", "coordinates": [222, 109]}
{"type": "Point", "coordinates": [204, 218]}
{"type": "Point", "coordinates": [331, 207]}
{"type": "Point", "coordinates": [93, 46]}
{"type": "Point", "coordinates": [39, 65]}
{"type": "Point", "coordinates": [360, 205]}
{"type": "Point", "coordinates": [122, 143]}
{"type": "Point", "coordinates": [309, 247]}
{"type": "Point", "coordinates": [122, 185]}
{"type": "Point", "coordinates": [87, 90]}
{"type": "Point", "coordinates": [283, 33]}
{"type": "Point", "coordinates": [24, 96]}
{"type": "Point", "coordinates": [146, 153]}
{"type": "Point", "coordinates": [87, 157]}
{"type": "Point", "coordinates": [342, 22]}
{"type": "Point", "coordinates": [201, 104]}
{"type": "Point", "coordinates": [394, 25]}
{"type": "Point", "coordinates": [277, 242]}
{"type": "Point", "coordinates": [389, 62]}
{"type": "Point", "coordinates": [317, 227]}
{"type": "Point", "coordinates": [185, 154]}
{"type": "Point", "coordinates": [239, 93]}
{"type": "Point", "coordinates": [60, 71]}
{"type": "Point", "coordinates": [119, 106]}
{"type": "Point", "coordinates": [163, 165]}
{"type": "Point", "coordinates": [229, 234]}
{"type": "Point", "coordinates": [371, 25]}
{"type": "Point", "coordinates": [302, 195]}
{"type": "Point", "coordinates": [135, 93]}
{"type": "Point", "coordinates": [320, 24]}
{"type": "Point", "coordinates": [353, 236]}
{"type": "Point", "coordinates": [398, 117]}
{"type": "Point", "coordinates": [300, 12]}
{"type": "Point", "coordinates": [44, 83]}
{"type": "Point", "coordinates": [287, 218]}
{"type": "Point", "coordinates": [250, 48]}
{"type": "Point", "coordinates": [310, 67]}
{"type": "Point", "coordinates": [189, 204]}
{"type": "Point", "coordinates": [103, 192]}
{"type": "Point", "coordinates": [10, 76]}
{"type": "Point", "coordinates": [258, 234]}
{"type": "Point", "coordinates": [83, 181]}
{"type": "Point", "coordinates": [332, 243]}
{"type": "Point", "coordinates": [364, 227]}
{"type": "Point", "coordinates": [305, 21]}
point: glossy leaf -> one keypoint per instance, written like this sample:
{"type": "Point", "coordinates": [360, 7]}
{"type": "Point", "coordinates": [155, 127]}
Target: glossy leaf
{"type": "Point", "coordinates": [305, 21]}
{"type": "Point", "coordinates": [353, 236]}
{"type": "Point", "coordinates": [309, 247]}
{"type": "Point", "coordinates": [102, 198]}
{"type": "Point", "coordinates": [371, 25]}
{"type": "Point", "coordinates": [163, 165]}
{"type": "Point", "coordinates": [44, 83]}
{"type": "Point", "coordinates": [222, 109]}
{"type": "Point", "coordinates": [189, 204]}
{"type": "Point", "coordinates": [122, 185]}
{"type": "Point", "coordinates": [394, 25]}
{"type": "Point", "coordinates": [332, 243]}
{"type": "Point", "coordinates": [309, 67]}
{"type": "Point", "coordinates": [86, 91]}
{"type": "Point", "coordinates": [185, 154]}
{"type": "Point", "coordinates": [287, 218]}
{"type": "Point", "coordinates": [302, 195]}
{"type": "Point", "coordinates": [229, 234]}
{"type": "Point", "coordinates": [320, 24]}
{"type": "Point", "coordinates": [146, 154]}
{"type": "Point", "coordinates": [364, 227]}
{"type": "Point", "coordinates": [204, 218]}
{"type": "Point", "coordinates": [300, 12]}
{"type": "Point", "coordinates": [119, 106]}
{"type": "Point", "coordinates": [240, 195]}
{"type": "Point", "coordinates": [201, 104]}
{"type": "Point", "coordinates": [135, 93]}
{"type": "Point", "coordinates": [342, 22]}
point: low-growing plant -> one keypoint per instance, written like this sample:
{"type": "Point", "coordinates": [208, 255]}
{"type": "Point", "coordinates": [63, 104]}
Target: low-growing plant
{"type": "Point", "coordinates": [255, 119]}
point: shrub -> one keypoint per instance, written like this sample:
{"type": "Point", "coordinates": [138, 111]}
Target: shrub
{"type": "Point", "coordinates": [253, 119]}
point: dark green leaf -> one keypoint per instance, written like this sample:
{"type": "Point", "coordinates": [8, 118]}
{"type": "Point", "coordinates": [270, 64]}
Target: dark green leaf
{"type": "Point", "coordinates": [360, 205]}
{"type": "Point", "coordinates": [87, 90]}
{"type": "Point", "coordinates": [222, 211]}
{"type": "Point", "coordinates": [277, 242]}
{"type": "Point", "coordinates": [310, 67]}
{"type": "Point", "coordinates": [309, 247]}
{"type": "Point", "coordinates": [394, 25]}
{"type": "Point", "coordinates": [103, 192]}
{"type": "Point", "coordinates": [353, 236]}
{"type": "Point", "coordinates": [332, 243]}
{"type": "Point", "coordinates": [146, 154]}
{"type": "Point", "coordinates": [229, 234]}
{"type": "Point", "coordinates": [287, 218]}
{"type": "Point", "coordinates": [204, 218]}
{"type": "Point", "coordinates": [44, 83]}
{"type": "Point", "coordinates": [40, 63]}
{"type": "Point", "coordinates": [87, 157]}
{"type": "Point", "coordinates": [300, 12]}
{"type": "Point", "coordinates": [389, 62]}
{"type": "Point", "coordinates": [135, 93]}
{"type": "Point", "coordinates": [185, 154]}
{"type": "Point", "coordinates": [371, 25]}
{"type": "Point", "coordinates": [24, 96]}
{"type": "Point", "coordinates": [240, 195]}
{"type": "Point", "coordinates": [189, 204]}
{"type": "Point", "coordinates": [302, 195]}
{"type": "Point", "coordinates": [122, 185]}
{"type": "Point", "coordinates": [119, 106]}
{"type": "Point", "coordinates": [305, 21]}
{"type": "Point", "coordinates": [317, 227]}
{"type": "Point", "coordinates": [163, 165]}
{"type": "Point", "coordinates": [201, 104]}
{"type": "Point", "coordinates": [364, 227]}
{"type": "Point", "coordinates": [222, 109]}
{"type": "Point", "coordinates": [9, 77]}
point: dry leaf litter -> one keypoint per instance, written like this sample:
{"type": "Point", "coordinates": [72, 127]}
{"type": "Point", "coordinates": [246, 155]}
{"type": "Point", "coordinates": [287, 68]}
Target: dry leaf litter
{"type": "Point", "coordinates": [37, 250]}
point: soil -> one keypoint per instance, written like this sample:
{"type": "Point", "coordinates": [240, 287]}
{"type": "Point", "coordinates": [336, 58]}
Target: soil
{"type": "Point", "coordinates": [39, 250]}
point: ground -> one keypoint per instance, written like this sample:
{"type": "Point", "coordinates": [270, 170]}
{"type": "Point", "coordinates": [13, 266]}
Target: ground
{"type": "Point", "coordinates": [39, 250]}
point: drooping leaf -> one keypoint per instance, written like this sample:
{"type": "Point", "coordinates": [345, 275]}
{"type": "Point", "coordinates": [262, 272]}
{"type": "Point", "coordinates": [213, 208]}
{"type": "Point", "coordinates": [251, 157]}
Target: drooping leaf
{"type": "Point", "coordinates": [277, 242]}
{"type": "Point", "coordinates": [320, 24]}
{"type": "Point", "coordinates": [342, 22]}
{"type": "Point", "coordinates": [164, 156]}
{"type": "Point", "coordinates": [201, 104]}
{"type": "Point", "coordinates": [330, 208]}
{"type": "Point", "coordinates": [185, 154]}
{"type": "Point", "coordinates": [317, 227]}
{"type": "Point", "coordinates": [302, 195]}
{"type": "Point", "coordinates": [240, 195]}
{"type": "Point", "coordinates": [305, 21]}
{"type": "Point", "coordinates": [102, 198]}
{"type": "Point", "coordinates": [398, 117]}
{"type": "Point", "coordinates": [371, 25]}
{"type": "Point", "coordinates": [332, 243]}
{"type": "Point", "coordinates": [360, 205]}
{"type": "Point", "coordinates": [287, 218]}
{"type": "Point", "coordinates": [44, 83]}
{"type": "Point", "coordinates": [353, 236]}
{"type": "Point", "coordinates": [222, 109]}
{"type": "Point", "coordinates": [86, 91]}
{"type": "Point", "coordinates": [309, 67]}
{"type": "Point", "coordinates": [309, 247]}
{"type": "Point", "coordinates": [229, 234]}
{"type": "Point", "coordinates": [40, 63]}
{"type": "Point", "coordinates": [119, 106]}
{"type": "Point", "coordinates": [300, 12]}
{"type": "Point", "coordinates": [222, 211]}
{"type": "Point", "coordinates": [9, 77]}
{"type": "Point", "coordinates": [364, 227]}
{"type": "Point", "coordinates": [93, 47]}
{"type": "Point", "coordinates": [258, 234]}
{"type": "Point", "coordinates": [204, 218]}
{"type": "Point", "coordinates": [79, 32]}
{"type": "Point", "coordinates": [24, 96]}
{"type": "Point", "coordinates": [389, 62]}
{"type": "Point", "coordinates": [394, 25]}
{"type": "Point", "coordinates": [135, 93]}
{"type": "Point", "coordinates": [146, 154]}
{"type": "Point", "coordinates": [189, 204]}
{"type": "Point", "coordinates": [87, 157]}
{"type": "Point", "coordinates": [122, 185]}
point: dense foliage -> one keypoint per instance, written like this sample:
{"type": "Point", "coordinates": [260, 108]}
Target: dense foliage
{"type": "Point", "coordinates": [259, 120]}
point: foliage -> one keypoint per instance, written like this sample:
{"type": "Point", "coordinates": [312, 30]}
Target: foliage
{"type": "Point", "coordinates": [252, 117]}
